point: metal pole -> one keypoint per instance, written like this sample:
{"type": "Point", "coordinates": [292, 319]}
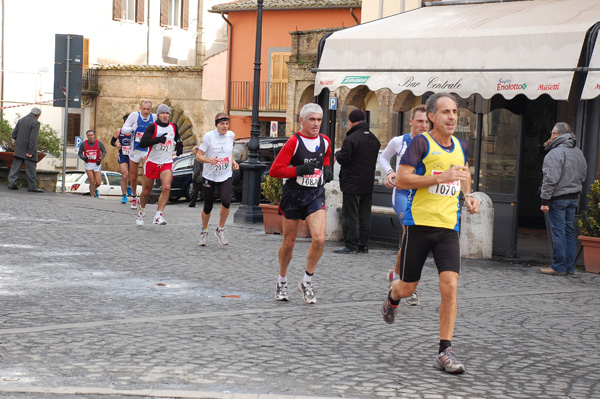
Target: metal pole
{"type": "Point", "coordinates": [249, 211]}
{"type": "Point", "coordinates": [66, 122]}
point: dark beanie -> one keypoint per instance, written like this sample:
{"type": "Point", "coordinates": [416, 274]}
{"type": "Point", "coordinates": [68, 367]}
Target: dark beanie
{"type": "Point", "coordinates": [356, 116]}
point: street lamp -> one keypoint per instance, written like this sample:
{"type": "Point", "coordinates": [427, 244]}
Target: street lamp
{"type": "Point", "coordinates": [252, 169]}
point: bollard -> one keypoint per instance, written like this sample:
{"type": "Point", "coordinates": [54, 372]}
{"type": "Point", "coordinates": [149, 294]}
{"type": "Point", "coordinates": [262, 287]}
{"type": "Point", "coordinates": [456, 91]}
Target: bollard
{"type": "Point", "coordinates": [333, 200]}
{"type": "Point", "coordinates": [477, 230]}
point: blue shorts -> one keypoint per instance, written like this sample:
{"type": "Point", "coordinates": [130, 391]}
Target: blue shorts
{"type": "Point", "coordinates": [300, 203]}
{"type": "Point", "coordinates": [399, 202]}
{"type": "Point", "coordinates": [123, 158]}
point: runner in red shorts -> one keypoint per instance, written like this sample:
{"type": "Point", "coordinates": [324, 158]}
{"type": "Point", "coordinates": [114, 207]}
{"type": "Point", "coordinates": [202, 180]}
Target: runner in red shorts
{"type": "Point", "coordinates": [162, 137]}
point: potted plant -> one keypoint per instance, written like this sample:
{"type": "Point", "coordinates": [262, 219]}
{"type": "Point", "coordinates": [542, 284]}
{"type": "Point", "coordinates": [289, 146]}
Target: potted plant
{"type": "Point", "coordinates": [589, 225]}
{"type": "Point", "coordinates": [271, 189]}
{"type": "Point", "coordinates": [48, 143]}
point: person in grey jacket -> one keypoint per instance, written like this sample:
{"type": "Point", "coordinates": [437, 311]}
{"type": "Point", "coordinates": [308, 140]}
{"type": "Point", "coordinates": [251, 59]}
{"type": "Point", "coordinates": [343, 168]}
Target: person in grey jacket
{"type": "Point", "coordinates": [564, 171]}
{"type": "Point", "coordinates": [26, 134]}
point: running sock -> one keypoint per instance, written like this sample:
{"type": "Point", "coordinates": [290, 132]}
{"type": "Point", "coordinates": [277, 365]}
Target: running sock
{"type": "Point", "coordinates": [281, 280]}
{"type": "Point", "coordinates": [396, 276]}
{"type": "Point", "coordinates": [220, 229]}
{"type": "Point", "coordinates": [158, 213]}
{"type": "Point", "coordinates": [393, 302]}
{"type": "Point", "coordinates": [444, 344]}
{"type": "Point", "coordinates": [307, 277]}
{"type": "Point", "coordinates": [205, 230]}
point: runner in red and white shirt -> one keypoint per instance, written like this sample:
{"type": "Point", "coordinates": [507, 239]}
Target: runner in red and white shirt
{"type": "Point", "coordinates": [92, 152]}
{"type": "Point", "coordinates": [304, 164]}
{"type": "Point", "coordinates": [216, 154]}
{"type": "Point", "coordinates": [162, 137]}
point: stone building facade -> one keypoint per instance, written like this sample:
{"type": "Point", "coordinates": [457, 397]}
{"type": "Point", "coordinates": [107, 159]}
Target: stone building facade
{"type": "Point", "coordinates": [121, 88]}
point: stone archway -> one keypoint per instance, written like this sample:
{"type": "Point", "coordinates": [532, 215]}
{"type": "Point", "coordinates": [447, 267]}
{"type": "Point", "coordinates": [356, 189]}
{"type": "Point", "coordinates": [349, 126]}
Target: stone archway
{"type": "Point", "coordinates": [185, 126]}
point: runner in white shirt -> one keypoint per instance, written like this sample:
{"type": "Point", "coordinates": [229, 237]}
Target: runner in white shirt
{"type": "Point", "coordinates": [161, 138]}
{"type": "Point", "coordinates": [216, 152]}
{"type": "Point", "coordinates": [397, 146]}
{"type": "Point", "coordinates": [136, 123]}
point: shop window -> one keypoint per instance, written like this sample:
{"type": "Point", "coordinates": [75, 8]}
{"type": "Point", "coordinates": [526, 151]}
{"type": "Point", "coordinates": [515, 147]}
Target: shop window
{"type": "Point", "coordinates": [499, 147]}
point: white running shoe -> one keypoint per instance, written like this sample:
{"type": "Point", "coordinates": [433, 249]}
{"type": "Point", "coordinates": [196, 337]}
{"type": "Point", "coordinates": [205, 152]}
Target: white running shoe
{"type": "Point", "coordinates": [281, 292]}
{"type": "Point", "coordinates": [158, 219]}
{"type": "Point", "coordinates": [221, 237]}
{"type": "Point", "coordinates": [135, 202]}
{"type": "Point", "coordinates": [140, 217]}
{"type": "Point", "coordinates": [203, 239]}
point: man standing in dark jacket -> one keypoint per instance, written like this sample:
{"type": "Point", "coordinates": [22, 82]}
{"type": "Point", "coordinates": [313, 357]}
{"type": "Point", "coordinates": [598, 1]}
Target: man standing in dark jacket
{"type": "Point", "coordinates": [358, 158]}
{"type": "Point", "coordinates": [26, 134]}
{"type": "Point", "coordinates": [564, 171]}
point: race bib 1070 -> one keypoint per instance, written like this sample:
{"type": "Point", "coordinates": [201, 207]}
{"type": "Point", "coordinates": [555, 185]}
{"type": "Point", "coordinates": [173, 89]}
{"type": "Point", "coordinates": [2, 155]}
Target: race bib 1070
{"type": "Point", "coordinates": [449, 189]}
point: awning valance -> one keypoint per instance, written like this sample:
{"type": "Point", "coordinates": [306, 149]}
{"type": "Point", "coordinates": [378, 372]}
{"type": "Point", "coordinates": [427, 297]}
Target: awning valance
{"type": "Point", "coordinates": [592, 82]}
{"type": "Point", "coordinates": [509, 48]}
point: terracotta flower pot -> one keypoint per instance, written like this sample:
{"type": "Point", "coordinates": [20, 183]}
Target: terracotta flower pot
{"type": "Point", "coordinates": [591, 253]}
{"type": "Point", "coordinates": [273, 222]}
{"type": "Point", "coordinates": [8, 157]}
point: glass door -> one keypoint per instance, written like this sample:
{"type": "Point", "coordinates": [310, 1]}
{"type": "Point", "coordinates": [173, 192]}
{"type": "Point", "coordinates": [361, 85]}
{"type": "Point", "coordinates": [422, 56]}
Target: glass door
{"type": "Point", "coordinates": [499, 175]}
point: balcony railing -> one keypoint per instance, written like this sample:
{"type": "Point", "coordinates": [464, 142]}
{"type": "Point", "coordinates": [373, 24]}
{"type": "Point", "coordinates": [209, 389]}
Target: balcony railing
{"type": "Point", "coordinates": [90, 80]}
{"type": "Point", "coordinates": [273, 96]}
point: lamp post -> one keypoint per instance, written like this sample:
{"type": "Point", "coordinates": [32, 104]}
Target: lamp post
{"type": "Point", "coordinates": [249, 211]}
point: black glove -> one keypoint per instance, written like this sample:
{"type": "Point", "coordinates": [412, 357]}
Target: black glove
{"type": "Point", "coordinates": [306, 169]}
{"type": "Point", "coordinates": [179, 148]}
{"type": "Point", "coordinates": [85, 159]}
{"type": "Point", "coordinates": [160, 140]}
{"type": "Point", "coordinates": [327, 174]}
{"type": "Point", "coordinates": [99, 161]}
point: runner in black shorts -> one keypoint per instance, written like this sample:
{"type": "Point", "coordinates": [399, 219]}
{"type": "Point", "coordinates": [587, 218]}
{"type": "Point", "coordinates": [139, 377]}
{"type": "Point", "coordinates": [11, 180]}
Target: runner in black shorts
{"type": "Point", "coordinates": [304, 163]}
{"type": "Point", "coordinates": [435, 169]}
{"type": "Point", "coordinates": [216, 152]}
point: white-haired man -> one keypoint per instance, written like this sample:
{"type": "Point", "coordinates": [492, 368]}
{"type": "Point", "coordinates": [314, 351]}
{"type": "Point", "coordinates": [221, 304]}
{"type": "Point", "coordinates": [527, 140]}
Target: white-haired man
{"type": "Point", "coordinates": [304, 164]}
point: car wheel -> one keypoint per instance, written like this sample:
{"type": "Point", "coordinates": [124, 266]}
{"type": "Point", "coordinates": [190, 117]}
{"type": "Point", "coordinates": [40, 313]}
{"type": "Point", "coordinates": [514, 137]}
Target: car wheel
{"type": "Point", "coordinates": [187, 192]}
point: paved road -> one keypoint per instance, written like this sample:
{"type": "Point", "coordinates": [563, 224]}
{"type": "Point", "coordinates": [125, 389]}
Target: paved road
{"type": "Point", "coordinates": [95, 307]}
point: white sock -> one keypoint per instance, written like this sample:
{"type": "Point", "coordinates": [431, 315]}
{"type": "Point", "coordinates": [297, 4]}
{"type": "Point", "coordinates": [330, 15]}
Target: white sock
{"type": "Point", "coordinates": [158, 213]}
{"type": "Point", "coordinates": [282, 279]}
{"type": "Point", "coordinates": [396, 276]}
{"type": "Point", "coordinates": [306, 278]}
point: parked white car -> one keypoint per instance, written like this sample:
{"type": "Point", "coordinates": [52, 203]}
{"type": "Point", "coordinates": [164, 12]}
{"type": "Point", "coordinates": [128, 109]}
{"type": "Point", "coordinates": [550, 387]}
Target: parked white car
{"type": "Point", "coordinates": [77, 182]}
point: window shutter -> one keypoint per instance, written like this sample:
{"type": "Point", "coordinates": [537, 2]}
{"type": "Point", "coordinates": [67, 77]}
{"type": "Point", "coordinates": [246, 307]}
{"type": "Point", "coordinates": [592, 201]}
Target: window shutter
{"type": "Point", "coordinates": [139, 11]}
{"type": "Point", "coordinates": [164, 12]}
{"type": "Point", "coordinates": [185, 14]}
{"type": "Point", "coordinates": [86, 54]}
{"type": "Point", "coordinates": [117, 10]}
{"type": "Point", "coordinates": [279, 80]}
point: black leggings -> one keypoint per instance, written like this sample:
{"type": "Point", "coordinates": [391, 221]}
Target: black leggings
{"type": "Point", "coordinates": [208, 193]}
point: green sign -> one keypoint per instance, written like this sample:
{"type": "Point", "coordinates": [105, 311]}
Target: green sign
{"type": "Point", "coordinates": [355, 79]}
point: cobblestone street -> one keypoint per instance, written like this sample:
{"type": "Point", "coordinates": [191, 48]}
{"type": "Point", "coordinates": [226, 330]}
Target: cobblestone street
{"type": "Point", "coordinates": [94, 306]}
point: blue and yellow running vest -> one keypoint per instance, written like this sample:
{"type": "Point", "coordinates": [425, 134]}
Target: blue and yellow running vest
{"type": "Point", "coordinates": [437, 205]}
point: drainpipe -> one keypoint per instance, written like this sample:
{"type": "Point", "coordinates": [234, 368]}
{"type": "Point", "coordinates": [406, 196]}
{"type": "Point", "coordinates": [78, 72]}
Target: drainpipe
{"type": "Point", "coordinates": [148, 36]}
{"type": "Point", "coordinates": [229, 41]}
{"type": "Point", "coordinates": [2, 67]}
{"type": "Point", "coordinates": [354, 16]}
